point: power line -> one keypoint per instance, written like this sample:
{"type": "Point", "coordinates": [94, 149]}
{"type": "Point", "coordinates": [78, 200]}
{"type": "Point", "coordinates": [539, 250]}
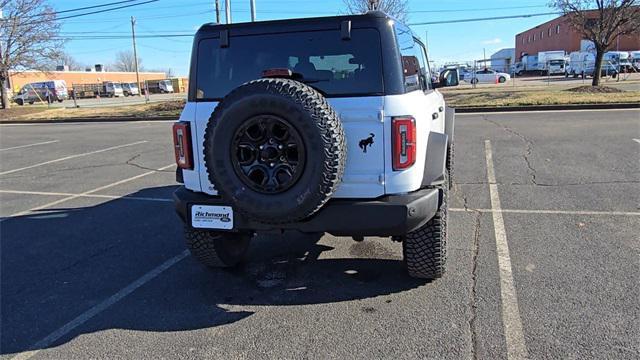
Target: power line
{"type": "Point", "coordinates": [94, 6]}
{"type": "Point", "coordinates": [105, 10]}
{"type": "Point", "coordinates": [483, 19]}
{"type": "Point", "coordinates": [91, 12]}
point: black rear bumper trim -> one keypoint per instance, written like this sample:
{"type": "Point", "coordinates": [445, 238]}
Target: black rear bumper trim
{"type": "Point", "coordinates": [393, 215]}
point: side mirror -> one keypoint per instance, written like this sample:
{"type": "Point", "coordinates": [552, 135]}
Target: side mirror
{"type": "Point", "coordinates": [449, 77]}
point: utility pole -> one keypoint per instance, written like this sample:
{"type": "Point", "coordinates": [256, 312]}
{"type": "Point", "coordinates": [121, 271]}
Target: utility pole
{"type": "Point", "coordinates": [227, 10]}
{"type": "Point", "coordinates": [135, 52]}
{"type": "Point", "coordinates": [218, 11]}
{"type": "Point", "coordinates": [253, 10]}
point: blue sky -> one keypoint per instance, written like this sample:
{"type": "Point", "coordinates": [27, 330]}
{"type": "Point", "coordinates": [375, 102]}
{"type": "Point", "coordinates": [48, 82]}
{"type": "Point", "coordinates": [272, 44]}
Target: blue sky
{"type": "Point", "coordinates": [449, 42]}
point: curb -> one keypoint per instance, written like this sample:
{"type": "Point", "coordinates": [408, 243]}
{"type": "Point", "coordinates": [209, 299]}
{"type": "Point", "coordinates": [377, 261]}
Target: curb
{"type": "Point", "coordinates": [89, 120]}
{"type": "Point", "coordinates": [548, 107]}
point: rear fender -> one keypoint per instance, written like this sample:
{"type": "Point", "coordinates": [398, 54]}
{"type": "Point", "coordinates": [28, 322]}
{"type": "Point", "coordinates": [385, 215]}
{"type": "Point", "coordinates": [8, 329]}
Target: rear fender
{"type": "Point", "coordinates": [435, 166]}
{"type": "Point", "coordinates": [449, 123]}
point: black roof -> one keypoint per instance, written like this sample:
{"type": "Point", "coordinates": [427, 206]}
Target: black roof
{"type": "Point", "coordinates": [369, 19]}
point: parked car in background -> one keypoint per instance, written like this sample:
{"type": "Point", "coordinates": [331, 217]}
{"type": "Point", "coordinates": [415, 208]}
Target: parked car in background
{"type": "Point", "coordinates": [130, 89]}
{"type": "Point", "coordinates": [488, 76]}
{"type": "Point", "coordinates": [46, 91]}
{"type": "Point", "coordinates": [634, 58]}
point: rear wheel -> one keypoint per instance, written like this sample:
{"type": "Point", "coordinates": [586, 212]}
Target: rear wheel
{"type": "Point", "coordinates": [216, 249]}
{"type": "Point", "coordinates": [425, 249]}
{"type": "Point", "coordinates": [20, 102]}
{"type": "Point", "coordinates": [502, 79]}
{"type": "Point", "coordinates": [474, 81]}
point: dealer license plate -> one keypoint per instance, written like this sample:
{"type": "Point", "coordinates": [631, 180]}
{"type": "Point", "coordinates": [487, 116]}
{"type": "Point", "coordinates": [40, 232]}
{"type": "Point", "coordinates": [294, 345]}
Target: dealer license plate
{"type": "Point", "coordinates": [212, 217]}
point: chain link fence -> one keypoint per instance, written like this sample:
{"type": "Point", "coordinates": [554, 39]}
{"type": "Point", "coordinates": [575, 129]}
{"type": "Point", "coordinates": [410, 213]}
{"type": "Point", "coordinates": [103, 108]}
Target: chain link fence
{"type": "Point", "coordinates": [557, 73]}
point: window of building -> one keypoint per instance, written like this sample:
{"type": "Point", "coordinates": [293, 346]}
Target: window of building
{"type": "Point", "coordinates": [541, 35]}
{"type": "Point", "coordinates": [549, 32]}
{"type": "Point", "coordinates": [523, 40]}
{"type": "Point", "coordinates": [558, 29]}
{"type": "Point", "coordinates": [529, 40]}
{"type": "Point", "coordinates": [534, 37]}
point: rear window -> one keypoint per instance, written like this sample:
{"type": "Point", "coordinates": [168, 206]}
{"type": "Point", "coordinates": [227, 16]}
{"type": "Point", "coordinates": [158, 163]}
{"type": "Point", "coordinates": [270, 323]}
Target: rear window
{"type": "Point", "coordinates": [325, 61]}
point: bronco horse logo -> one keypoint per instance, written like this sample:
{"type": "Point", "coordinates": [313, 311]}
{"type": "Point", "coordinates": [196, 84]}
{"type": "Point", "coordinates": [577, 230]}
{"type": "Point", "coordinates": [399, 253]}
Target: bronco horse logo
{"type": "Point", "coordinates": [366, 142]}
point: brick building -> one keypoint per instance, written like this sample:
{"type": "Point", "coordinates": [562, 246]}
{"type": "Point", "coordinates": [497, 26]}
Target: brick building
{"type": "Point", "coordinates": [557, 34]}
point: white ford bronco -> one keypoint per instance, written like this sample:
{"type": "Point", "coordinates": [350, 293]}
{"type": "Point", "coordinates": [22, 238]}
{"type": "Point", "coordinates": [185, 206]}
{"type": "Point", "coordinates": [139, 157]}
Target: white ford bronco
{"type": "Point", "coordinates": [314, 125]}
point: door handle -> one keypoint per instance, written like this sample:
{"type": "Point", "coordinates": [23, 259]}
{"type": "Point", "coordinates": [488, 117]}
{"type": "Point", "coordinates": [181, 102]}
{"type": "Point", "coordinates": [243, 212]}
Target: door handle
{"type": "Point", "coordinates": [435, 115]}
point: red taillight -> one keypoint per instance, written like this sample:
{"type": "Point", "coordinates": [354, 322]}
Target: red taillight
{"type": "Point", "coordinates": [182, 145]}
{"type": "Point", "coordinates": [404, 142]}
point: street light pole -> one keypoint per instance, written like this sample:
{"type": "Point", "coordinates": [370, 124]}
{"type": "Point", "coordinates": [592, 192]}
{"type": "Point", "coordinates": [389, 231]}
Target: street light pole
{"type": "Point", "coordinates": [135, 52]}
{"type": "Point", "coordinates": [218, 11]}
{"type": "Point", "coordinates": [253, 10]}
{"type": "Point", "coordinates": [227, 10]}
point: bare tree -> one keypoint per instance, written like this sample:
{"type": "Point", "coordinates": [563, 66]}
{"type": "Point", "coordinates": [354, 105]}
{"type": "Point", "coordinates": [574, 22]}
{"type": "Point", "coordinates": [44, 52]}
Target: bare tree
{"type": "Point", "coordinates": [396, 8]}
{"type": "Point", "coordinates": [30, 39]}
{"type": "Point", "coordinates": [125, 61]}
{"type": "Point", "coordinates": [602, 24]}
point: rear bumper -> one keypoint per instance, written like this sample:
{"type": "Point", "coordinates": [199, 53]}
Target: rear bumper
{"type": "Point", "coordinates": [394, 215]}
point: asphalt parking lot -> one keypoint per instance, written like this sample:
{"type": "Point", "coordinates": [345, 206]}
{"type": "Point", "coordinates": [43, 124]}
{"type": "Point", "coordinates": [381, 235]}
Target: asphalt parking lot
{"type": "Point", "coordinates": [544, 254]}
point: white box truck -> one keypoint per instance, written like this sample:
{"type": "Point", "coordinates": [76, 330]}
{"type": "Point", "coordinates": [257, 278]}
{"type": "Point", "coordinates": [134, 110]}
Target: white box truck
{"type": "Point", "coordinates": [527, 65]}
{"type": "Point", "coordinates": [552, 62]}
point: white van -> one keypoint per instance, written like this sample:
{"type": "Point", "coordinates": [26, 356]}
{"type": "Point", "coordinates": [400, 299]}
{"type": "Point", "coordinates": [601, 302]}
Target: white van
{"type": "Point", "coordinates": [46, 91]}
{"type": "Point", "coordinates": [619, 59]}
{"type": "Point", "coordinates": [579, 61]}
{"type": "Point", "coordinates": [113, 89]}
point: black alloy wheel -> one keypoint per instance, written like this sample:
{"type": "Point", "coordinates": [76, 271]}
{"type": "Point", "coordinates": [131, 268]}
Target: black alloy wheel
{"type": "Point", "coordinates": [267, 153]}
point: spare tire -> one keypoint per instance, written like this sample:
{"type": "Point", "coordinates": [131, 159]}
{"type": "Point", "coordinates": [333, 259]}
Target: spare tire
{"type": "Point", "coordinates": [275, 149]}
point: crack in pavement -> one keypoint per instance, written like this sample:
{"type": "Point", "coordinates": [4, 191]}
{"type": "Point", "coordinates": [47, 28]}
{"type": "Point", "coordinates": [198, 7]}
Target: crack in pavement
{"type": "Point", "coordinates": [528, 150]}
{"type": "Point", "coordinates": [558, 184]}
{"type": "Point", "coordinates": [473, 297]}
{"type": "Point", "coordinates": [130, 162]}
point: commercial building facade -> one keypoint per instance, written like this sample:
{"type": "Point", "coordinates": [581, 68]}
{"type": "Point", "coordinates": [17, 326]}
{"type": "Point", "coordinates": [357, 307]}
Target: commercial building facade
{"type": "Point", "coordinates": [502, 60]}
{"type": "Point", "coordinates": [558, 34]}
{"type": "Point", "coordinates": [18, 79]}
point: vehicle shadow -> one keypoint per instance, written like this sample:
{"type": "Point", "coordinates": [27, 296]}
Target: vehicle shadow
{"type": "Point", "coordinates": [58, 263]}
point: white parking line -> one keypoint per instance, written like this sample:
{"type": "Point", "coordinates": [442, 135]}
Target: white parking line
{"type": "Point", "coordinates": [98, 196]}
{"type": "Point", "coordinates": [514, 335]}
{"type": "Point", "coordinates": [637, 140]}
{"type": "Point", "coordinates": [542, 111]}
{"type": "Point", "coordinates": [30, 145]}
{"type": "Point", "coordinates": [87, 315]}
{"type": "Point", "coordinates": [550, 212]}
{"type": "Point", "coordinates": [72, 197]}
{"type": "Point", "coordinates": [73, 157]}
